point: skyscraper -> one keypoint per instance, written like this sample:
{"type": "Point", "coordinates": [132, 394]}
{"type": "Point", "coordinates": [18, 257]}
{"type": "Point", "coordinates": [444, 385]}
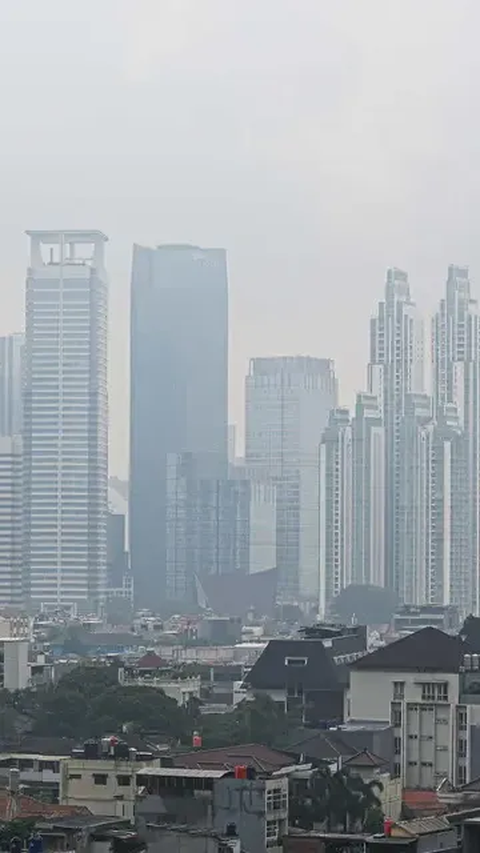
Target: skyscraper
{"type": "Point", "coordinates": [335, 504]}
{"type": "Point", "coordinates": [65, 420]}
{"type": "Point", "coordinates": [395, 370]}
{"type": "Point", "coordinates": [207, 527]}
{"type": "Point", "coordinates": [288, 400]}
{"type": "Point", "coordinates": [11, 359]}
{"type": "Point", "coordinates": [368, 459]}
{"type": "Point", "coordinates": [414, 503]}
{"type": "Point", "coordinates": [11, 520]}
{"type": "Point", "coordinates": [456, 375]}
{"type": "Point", "coordinates": [179, 390]}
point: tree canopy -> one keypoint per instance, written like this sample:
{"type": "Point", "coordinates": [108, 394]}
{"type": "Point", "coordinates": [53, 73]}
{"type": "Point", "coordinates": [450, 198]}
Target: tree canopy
{"type": "Point", "coordinates": [88, 702]}
{"type": "Point", "coordinates": [338, 801]}
{"type": "Point", "coordinates": [367, 604]}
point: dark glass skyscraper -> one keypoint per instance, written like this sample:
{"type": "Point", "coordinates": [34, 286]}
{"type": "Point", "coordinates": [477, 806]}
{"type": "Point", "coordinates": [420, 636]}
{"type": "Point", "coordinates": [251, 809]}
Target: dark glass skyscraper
{"type": "Point", "coordinates": [179, 389]}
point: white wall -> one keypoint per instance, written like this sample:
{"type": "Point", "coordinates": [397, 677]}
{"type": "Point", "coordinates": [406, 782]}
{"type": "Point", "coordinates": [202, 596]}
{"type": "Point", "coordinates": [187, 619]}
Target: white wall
{"type": "Point", "coordinates": [15, 664]}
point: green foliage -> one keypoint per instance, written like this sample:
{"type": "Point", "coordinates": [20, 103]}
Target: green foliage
{"type": "Point", "coordinates": [338, 801]}
{"type": "Point", "coordinates": [256, 721]}
{"type": "Point", "coordinates": [18, 828]}
{"type": "Point", "coordinates": [88, 702]}
{"type": "Point", "coordinates": [368, 604]}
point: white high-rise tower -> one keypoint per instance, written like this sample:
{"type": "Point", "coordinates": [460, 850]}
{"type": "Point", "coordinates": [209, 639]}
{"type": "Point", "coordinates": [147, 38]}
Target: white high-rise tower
{"type": "Point", "coordinates": [456, 375]}
{"type": "Point", "coordinates": [65, 421]}
{"type": "Point", "coordinates": [395, 370]}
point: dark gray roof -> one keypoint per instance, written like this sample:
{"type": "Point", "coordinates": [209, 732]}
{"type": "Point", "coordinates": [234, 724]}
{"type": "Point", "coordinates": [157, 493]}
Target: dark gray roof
{"type": "Point", "coordinates": [271, 672]}
{"type": "Point", "coordinates": [427, 650]}
{"type": "Point", "coordinates": [319, 745]}
{"type": "Point", "coordinates": [365, 758]}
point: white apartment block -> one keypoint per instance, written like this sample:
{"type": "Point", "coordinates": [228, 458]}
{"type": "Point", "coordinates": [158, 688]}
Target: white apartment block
{"type": "Point", "coordinates": [420, 686]}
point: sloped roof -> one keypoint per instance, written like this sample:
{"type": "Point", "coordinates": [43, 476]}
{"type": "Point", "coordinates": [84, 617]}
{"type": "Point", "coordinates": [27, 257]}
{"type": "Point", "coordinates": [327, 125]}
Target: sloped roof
{"type": "Point", "coordinates": [235, 594]}
{"type": "Point", "coordinates": [423, 825]}
{"type": "Point", "coordinates": [321, 745]}
{"type": "Point", "coordinates": [365, 758]}
{"type": "Point", "coordinates": [427, 650]}
{"type": "Point", "coordinates": [422, 803]}
{"type": "Point", "coordinates": [150, 661]}
{"type": "Point", "coordinates": [263, 758]}
{"type": "Point", "coordinates": [271, 671]}
{"type": "Point", "coordinates": [29, 807]}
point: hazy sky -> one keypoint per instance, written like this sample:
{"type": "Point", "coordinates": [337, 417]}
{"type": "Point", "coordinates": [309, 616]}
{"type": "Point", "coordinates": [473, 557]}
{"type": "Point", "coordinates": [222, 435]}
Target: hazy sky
{"type": "Point", "coordinates": [319, 141]}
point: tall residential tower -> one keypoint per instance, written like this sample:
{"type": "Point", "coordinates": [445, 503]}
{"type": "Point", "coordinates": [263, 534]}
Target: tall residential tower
{"type": "Point", "coordinates": [394, 371]}
{"type": "Point", "coordinates": [65, 421]}
{"type": "Point", "coordinates": [456, 375]}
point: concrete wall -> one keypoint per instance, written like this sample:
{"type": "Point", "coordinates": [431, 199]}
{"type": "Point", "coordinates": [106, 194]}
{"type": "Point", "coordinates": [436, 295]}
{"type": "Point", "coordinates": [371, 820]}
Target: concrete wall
{"type": "Point", "coordinates": [15, 662]}
{"type": "Point", "coordinates": [244, 802]}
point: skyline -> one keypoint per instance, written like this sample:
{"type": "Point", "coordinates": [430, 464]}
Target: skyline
{"type": "Point", "coordinates": [317, 147]}
{"type": "Point", "coordinates": [118, 449]}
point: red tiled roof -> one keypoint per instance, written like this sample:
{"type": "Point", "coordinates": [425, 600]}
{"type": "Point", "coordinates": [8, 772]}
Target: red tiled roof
{"type": "Point", "coordinates": [423, 803]}
{"type": "Point", "coordinates": [29, 807]}
{"type": "Point", "coordinates": [150, 661]}
{"type": "Point", "coordinates": [255, 755]}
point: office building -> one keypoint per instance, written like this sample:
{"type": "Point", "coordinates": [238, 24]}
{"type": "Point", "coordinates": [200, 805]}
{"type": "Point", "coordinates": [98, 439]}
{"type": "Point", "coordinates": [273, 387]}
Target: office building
{"type": "Point", "coordinates": [335, 505]}
{"type": "Point", "coordinates": [11, 379]}
{"type": "Point", "coordinates": [263, 526]}
{"type": "Point", "coordinates": [395, 370]}
{"type": "Point", "coordinates": [65, 421]}
{"type": "Point", "coordinates": [179, 390]}
{"type": "Point", "coordinates": [456, 382]}
{"type": "Point", "coordinates": [368, 483]}
{"type": "Point", "coordinates": [288, 400]}
{"type": "Point", "coordinates": [11, 519]}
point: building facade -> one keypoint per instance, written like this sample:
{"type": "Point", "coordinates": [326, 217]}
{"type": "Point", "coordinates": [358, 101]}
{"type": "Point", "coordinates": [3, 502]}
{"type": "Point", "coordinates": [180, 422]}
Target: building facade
{"type": "Point", "coordinates": [179, 390]}
{"type": "Point", "coordinates": [395, 370]}
{"type": "Point", "coordinates": [335, 504]}
{"type": "Point", "coordinates": [425, 686]}
{"type": "Point", "coordinates": [288, 400]}
{"type": "Point", "coordinates": [65, 438]}
{"type": "Point", "coordinates": [207, 526]}
{"type": "Point", "coordinates": [368, 484]}
{"type": "Point", "coordinates": [456, 382]}
{"type": "Point", "coordinates": [11, 384]}
{"type": "Point", "coordinates": [11, 521]}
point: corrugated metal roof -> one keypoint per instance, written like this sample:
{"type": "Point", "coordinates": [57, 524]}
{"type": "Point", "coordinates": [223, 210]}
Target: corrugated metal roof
{"type": "Point", "coordinates": [423, 825]}
{"type": "Point", "coordinates": [182, 772]}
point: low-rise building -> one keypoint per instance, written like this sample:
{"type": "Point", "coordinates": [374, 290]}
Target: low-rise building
{"type": "Point", "coordinates": [427, 685]}
{"type": "Point", "coordinates": [257, 805]}
{"type": "Point", "coordinates": [151, 671]}
{"type": "Point", "coordinates": [307, 676]}
{"type": "Point", "coordinates": [102, 777]}
{"type": "Point", "coordinates": [14, 668]}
